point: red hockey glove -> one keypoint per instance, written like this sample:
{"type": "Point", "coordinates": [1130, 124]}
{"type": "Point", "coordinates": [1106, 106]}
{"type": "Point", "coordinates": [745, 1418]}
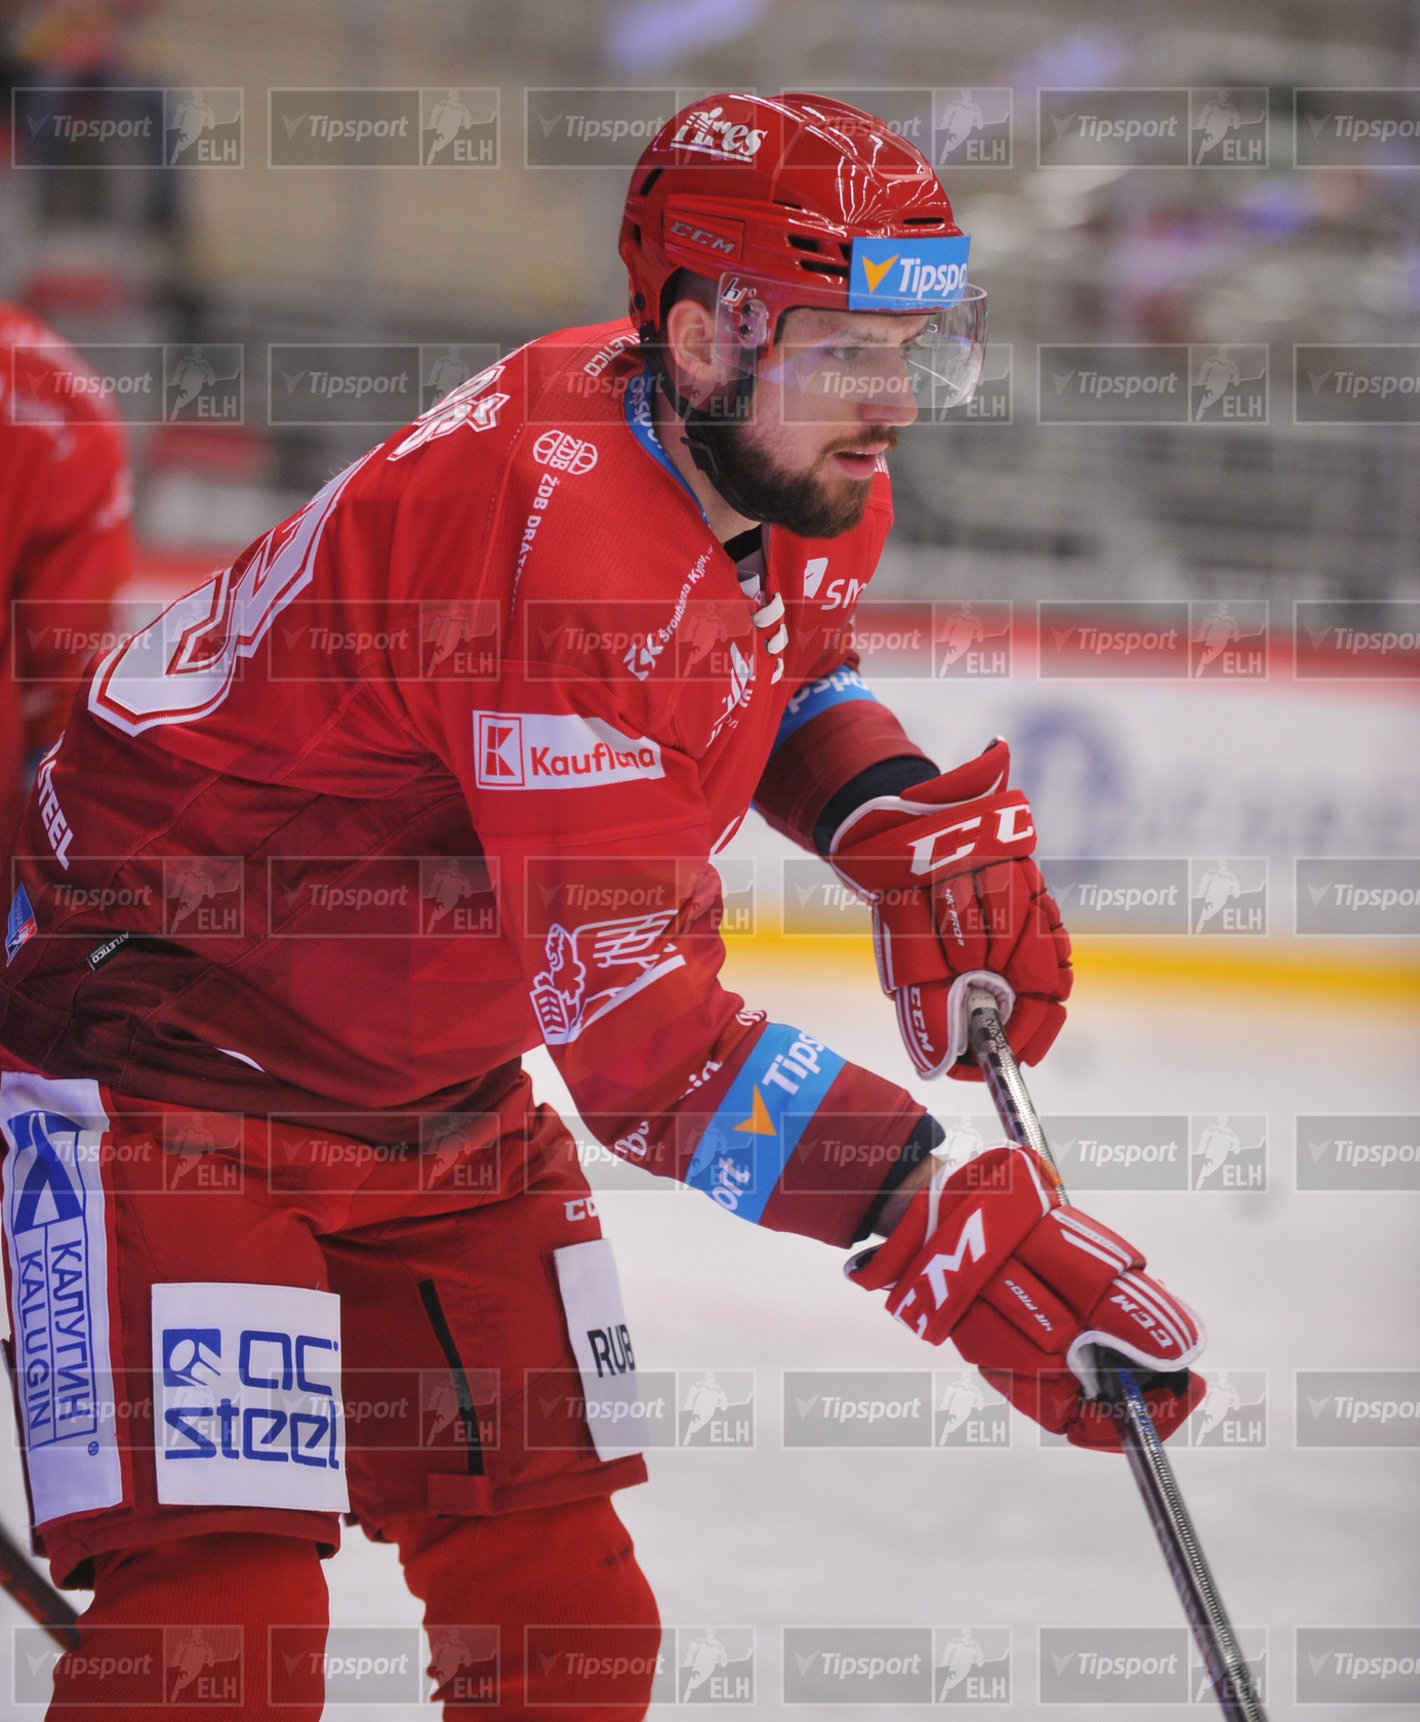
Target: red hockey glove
{"type": "Point", "coordinates": [947, 869]}
{"type": "Point", "coordinates": [1025, 1287]}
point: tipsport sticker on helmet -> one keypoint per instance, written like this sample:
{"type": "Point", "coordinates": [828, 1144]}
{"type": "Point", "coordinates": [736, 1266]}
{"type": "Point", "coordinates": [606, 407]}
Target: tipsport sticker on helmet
{"type": "Point", "coordinates": [907, 274]}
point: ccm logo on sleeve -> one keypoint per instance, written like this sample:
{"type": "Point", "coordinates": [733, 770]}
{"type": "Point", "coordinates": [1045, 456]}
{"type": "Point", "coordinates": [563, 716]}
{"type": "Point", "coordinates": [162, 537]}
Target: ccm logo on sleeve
{"type": "Point", "coordinates": [557, 750]}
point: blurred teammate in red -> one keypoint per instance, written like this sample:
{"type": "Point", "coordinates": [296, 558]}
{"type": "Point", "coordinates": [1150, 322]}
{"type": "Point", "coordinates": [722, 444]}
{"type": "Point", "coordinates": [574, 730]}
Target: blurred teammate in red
{"type": "Point", "coordinates": [65, 540]}
{"type": "Point", "coordinates": [435, 773]}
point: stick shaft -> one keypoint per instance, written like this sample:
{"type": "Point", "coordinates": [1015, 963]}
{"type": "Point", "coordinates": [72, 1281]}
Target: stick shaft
{"type": "Point", "coordinates": [1183, 1554]}
{"type": "Point", "coordinates": [35, 1595]}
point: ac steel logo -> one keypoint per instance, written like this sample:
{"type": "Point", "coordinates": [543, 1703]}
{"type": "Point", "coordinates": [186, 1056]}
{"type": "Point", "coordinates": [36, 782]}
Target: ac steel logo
{"type": "Point", "coordinates": [248, 1408]}
{"type": "Point", "coordinates": [565, 453]}
{"type": "Point", "coordinates": [558, 750]}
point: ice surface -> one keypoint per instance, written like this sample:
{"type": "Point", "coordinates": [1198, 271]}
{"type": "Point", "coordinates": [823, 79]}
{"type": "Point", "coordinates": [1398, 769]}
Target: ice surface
{"type": "Point", "coordinates": [1028, 1536]}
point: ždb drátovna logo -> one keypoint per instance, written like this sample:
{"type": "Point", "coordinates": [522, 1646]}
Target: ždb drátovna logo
{"type": "Point", "coordinates": [906, 275]}
{"type": "Point", "coordinates": [558, 750]}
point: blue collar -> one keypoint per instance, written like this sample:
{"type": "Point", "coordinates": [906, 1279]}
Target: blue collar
{"type": "Point", "coordinates": [638, 400]}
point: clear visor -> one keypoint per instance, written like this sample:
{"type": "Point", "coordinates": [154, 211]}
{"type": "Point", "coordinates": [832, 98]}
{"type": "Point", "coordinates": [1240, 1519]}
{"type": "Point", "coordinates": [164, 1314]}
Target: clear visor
{"type": "Point", "coordinates": [934, 356]}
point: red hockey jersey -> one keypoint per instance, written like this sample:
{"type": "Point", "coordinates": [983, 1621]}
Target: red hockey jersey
{"type": "Point", "coordinates": [65, 542]}
{"type": "Point", "coordinates": [434, 772]}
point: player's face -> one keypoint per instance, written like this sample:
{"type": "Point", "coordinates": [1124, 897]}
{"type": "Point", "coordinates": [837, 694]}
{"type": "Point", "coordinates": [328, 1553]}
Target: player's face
{"type": "Point", "coordinates": [829, 397]}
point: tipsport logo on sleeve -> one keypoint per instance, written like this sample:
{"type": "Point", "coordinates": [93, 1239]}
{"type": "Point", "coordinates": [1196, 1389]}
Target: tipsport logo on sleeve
{"type": "Point", "coordinates": [246, 1392]}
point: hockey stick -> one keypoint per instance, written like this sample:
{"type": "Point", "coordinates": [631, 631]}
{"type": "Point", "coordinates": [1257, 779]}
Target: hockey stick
{"type": "Point", "coordinates": [36, 1595]}
{"type": "Point", "coordinates": [1212, 1630]}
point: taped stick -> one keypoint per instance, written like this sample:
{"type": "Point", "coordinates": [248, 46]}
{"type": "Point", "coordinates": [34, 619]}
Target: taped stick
{"type": "Point", "coordinates": [1212, 1630]}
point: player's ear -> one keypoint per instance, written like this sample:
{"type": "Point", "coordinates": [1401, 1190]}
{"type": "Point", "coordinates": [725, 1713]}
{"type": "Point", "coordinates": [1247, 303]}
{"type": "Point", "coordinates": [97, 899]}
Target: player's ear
{"type": "Point", "coordinates": [691, 349]}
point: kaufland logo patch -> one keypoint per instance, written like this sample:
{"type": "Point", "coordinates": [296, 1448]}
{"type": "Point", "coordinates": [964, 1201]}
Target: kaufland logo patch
{"type": "Point", "coordinates": [907, 274]}
{"type": "Point", "coordinates": [558, 750]}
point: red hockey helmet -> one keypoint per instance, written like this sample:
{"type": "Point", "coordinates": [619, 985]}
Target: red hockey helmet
{"type": "Point", "coordinates": [775, 190]}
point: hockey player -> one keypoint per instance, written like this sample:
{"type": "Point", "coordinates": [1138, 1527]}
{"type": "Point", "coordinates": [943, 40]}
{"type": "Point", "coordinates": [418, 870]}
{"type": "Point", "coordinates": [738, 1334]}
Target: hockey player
{"type": "Point", "coordinates": [65, 539]}
{"type": "Point", "coordinates": [793, 266]}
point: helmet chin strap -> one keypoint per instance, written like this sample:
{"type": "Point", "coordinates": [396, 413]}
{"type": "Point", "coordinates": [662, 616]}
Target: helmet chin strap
{"type": "Point", "coordinates": [699, 423]}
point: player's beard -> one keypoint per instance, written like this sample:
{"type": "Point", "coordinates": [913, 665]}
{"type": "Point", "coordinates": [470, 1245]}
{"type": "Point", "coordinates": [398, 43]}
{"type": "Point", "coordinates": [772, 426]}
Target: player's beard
{"type": "Point", "coordinates": [808, 504]}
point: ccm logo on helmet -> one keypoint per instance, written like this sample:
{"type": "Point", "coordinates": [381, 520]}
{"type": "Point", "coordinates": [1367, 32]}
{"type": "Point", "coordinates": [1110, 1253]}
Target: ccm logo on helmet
{"type": "Point", "coordinates": [565, 453]}
{"type": "Point", "coordinates": [723, 243]}
{"type": "Point", "coordinates": [1013, 828]}
{"type": "Point", "coordinates": [557, 750]}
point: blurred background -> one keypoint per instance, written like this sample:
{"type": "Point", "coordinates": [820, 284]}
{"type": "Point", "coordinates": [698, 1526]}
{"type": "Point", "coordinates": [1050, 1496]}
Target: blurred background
{"type": "Point", "coordinates": [1225, 253]}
